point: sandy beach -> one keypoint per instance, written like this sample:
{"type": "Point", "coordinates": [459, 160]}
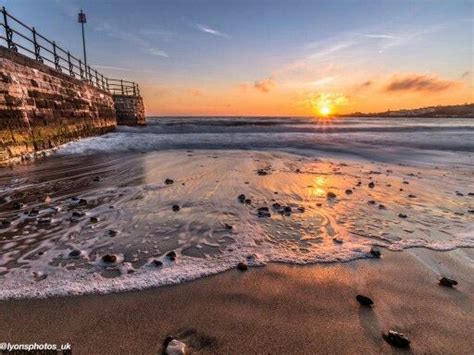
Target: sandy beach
{"type": "Point", "coordinates": [273, 309]}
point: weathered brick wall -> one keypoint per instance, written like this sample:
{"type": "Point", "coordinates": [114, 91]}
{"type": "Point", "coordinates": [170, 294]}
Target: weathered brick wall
{"type": "Point", "coordinates": [41, 108]}
{"type": "Point", "coordinates": [130, 110]}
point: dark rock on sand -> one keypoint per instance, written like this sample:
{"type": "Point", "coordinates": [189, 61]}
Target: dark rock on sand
{"type": "Point", "coordinates": [4, 223]}
{"type": "Point", "coordinates": [75, 253]}
{"type": "Point", "coordinates": [459, 193]}
{"type": "Point", "coordinates": [371, 202]}
{"type": "Point", "coordinates": [248, 201]}
{"type": "Point", "coordinates": [402, 215]}
{"type": "Point", "coordinates": [109, 258]}
{"type": "Point", "coordinates": [157, 263]}
{"type": "Point", "coordinates": [175, 347]}
{"type": "Point", "coordinates": [241, 198]}
{"type": "Point", "coordinates": [112, 232]}
{"type": "Point", "coordinates": [364, 300]}
{"type": "Point", "coordinates": [171, 255]}
{"type": "Point", "coordinates": [286, 211]}
{"type": "Point", "coordinates": [263, 212]}
{"type": "Point", "coordinates": [470, 193]}
{"type": "Point", "coordinates": [82, 202]}
{"type": "Point", "coordinates": [382, 207]}
{"type": "Point", "coordinates": [371, 184]}
{"type": "Point", "coordinates": [176, 208]}
{"type": "Point", "coordinates": [76, 214]}
{"type": "Point", "coordinates": [94, 219]}
{"type": "Point", "coordinates": [44, 221]}
{"type": "Point", "coordinates": [375, 253]}
{"type": "Point", "coordinates": [319, 204]}
{"type": "Point", "coordinates": [242, 266]}
{"type": "Point", "coordinates": [411, 196]}
{"type": "Point", "coordinates": [348, 192]}
{"type": "Point", "coordinates": [97, 178]}
{"type": "Point", "coordinates": [262, 172]}
{"type": "Point", "coordinates": [33, 212]}
{"type": "Point", "coordinates": [331, 195]}
{"type": "Point", "coordinates": [228, 226]}
{"type": "Point", "coordinates": [169, 181]}
{"type": "Point", "coordinates": [17, 205]}
{"type": "Point", "coordinates": [397, 339]}
{"type": "Point", "coordinates": [406, 182]}
{"type": "Point", "coordinates": [444, 281]}
{"type": "Point", "coordinates": [301, 209]}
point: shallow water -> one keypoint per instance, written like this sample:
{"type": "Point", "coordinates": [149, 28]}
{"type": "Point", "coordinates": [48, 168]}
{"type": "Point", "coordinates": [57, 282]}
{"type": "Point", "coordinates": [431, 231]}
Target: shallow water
{"type": "Point", "coordinates": [117, 203]}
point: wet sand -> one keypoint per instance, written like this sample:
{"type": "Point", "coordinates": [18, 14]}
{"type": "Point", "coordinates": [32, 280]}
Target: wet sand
{"type": "Point", "coordinates": [277, 308]}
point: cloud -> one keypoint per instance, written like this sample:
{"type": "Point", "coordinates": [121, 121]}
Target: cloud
{"type": "Point", "coordinates": [365, 84]}
{"type": "Point", "coordinates": [466, 74]}
{"type": "Point", "coordinates": [158, 52]}
{"type": "Point", "coordinates": [380, 36]}
{"type": "Point", "coordinates": [265, 85]}
{"type": "Point", "coordinates": [211, 31]}
{"type": "Point", "coordinates": [418, 82]}
{"type": "Point", "coordinates": [194, 92]}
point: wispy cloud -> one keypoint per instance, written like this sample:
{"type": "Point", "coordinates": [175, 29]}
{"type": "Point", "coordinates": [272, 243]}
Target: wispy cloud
{"type": "Point", "coordinates": [265, 85]}
{"type": "Point", "coordinates": [380, 36]}
{"type": "Point", "coordinates": [211, 31]}
{"type": "Point", "coordinates": [419, 82]}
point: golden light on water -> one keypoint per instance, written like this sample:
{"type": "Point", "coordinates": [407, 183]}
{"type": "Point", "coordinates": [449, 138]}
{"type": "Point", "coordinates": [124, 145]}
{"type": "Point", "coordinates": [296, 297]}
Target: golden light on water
{"type": "Point", "coordinates": [325, 111]}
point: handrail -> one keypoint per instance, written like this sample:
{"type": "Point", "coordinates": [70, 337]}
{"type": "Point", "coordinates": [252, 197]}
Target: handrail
{"type": "Point", "coordinates": [43, 50]}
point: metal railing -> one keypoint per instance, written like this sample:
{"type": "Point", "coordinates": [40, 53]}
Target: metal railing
{"type": "Point", "coordinates": [24, 39]}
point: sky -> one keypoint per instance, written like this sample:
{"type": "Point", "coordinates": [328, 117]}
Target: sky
{"type": "Point", "coordinates": [267, 58]}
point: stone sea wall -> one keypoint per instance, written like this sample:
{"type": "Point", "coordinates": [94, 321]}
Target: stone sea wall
{"type": "Point", "coordinates": [130, 110]}
{"type": "Point", "coordinates": [42, 108]}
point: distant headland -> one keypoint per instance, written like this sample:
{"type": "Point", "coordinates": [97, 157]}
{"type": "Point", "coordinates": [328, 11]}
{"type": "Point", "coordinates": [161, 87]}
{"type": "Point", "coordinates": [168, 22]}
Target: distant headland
{"type": "Point", "coordinates": [451, 111]}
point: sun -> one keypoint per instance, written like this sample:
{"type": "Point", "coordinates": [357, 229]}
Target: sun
{"type": "Point", "coordinates": [325, 110]}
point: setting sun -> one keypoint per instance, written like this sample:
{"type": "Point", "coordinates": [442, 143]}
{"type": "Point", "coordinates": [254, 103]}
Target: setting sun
{"type": "Point", "coordinates": [325, 110]}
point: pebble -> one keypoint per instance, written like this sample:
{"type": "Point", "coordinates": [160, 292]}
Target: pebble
{"type": "Point", "coordinates": [5, 223]}
{"type": "Point", "coordinates": [397, 339]}
{"type": "Point", "coordinates": [169, 181]}
{"type": "Point", "coordinates": [17, 205]}
{"type": "Point", "coordinates": [348, 192]}
{"type": "Point", "coordinates": [171, 255]}
{"type": "Point", "coordinates": [228, 226]}
{"type": "Point", "coordinates": [411, 196]}
{"type": "Point", "coordinates": [364, 300]}
{"type": "Point", "coordinates": [263, 212]}
{"type": "Point", "coordinates": [109, 258]}
{"type": "Point", "coordinates": [97, 178]}
{"type": "Point", "coordinates": [402, 215]}
{"type": "Point", "coordinates": [444, 281]}
{"type": "Point", "coordinates": [371, 202]}
{"type": "Point", "coordinates": [248, 201]}
{"type": "Point", "coordinates": [174, 347]}
{"type": "Point", "coordinates": [75, 253]}
{"type": "Point", "coordinates": [157, 263]}
{"type": "Point", "coordinates": [94, 219]}
{"type": "Point", "coordinates": [241, 198]}
{"type": "Point", "coordinates": [371, 185]}
{"type": "Point", "coordinates": [176, 208]}
{"type": "Point", "coordinates": [375, 253]}
{"type": "Point", "coordinates": [44, 221]}
{"type": "Point", "coordinates": [382, 207]}
{"type": "Point", "coordinates": [112, 232]}
{"type": "Point", "coordinates": [331, 195]}
{"type": "Point", "coordinates": [242, 266]}
{"type": "Point", "coordinates": [262, 172]}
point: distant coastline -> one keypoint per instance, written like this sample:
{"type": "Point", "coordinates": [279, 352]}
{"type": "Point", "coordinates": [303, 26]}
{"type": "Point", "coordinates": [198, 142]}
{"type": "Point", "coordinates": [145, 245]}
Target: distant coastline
{"type": "Point", "coordinates": [451, 111]}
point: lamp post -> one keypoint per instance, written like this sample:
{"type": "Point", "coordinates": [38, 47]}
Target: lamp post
{"type": "Point", "coordinates": [81, 18]}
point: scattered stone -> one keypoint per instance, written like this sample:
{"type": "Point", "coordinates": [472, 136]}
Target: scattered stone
{"type": "Point", "coordinates": [459, 193]}
{"type": "Point", "coordinates": [262, 172]}
{"type": "Point", "coordinates": [4, 223]}
{"type": "Point", "coordinates": [348, 192]}
{"type": "Point", "coordinates": [331, 195]}
{"type": "Point", "coordinates": [301, 209]}
{"type": "Point", "coordinates": [175, 347]}
{"type": "Point", "coordinates": [286, 211]}
{"type": "Point", "coordinates": [242, 266]}
{"type": "Point", "coordinates": [248, 201]}
{"type": "Point", "coordinates": [82, 202]}
{"type": "Point", "coordinates": [402, 215]}
{"type": "Point", "coordinates": [75, 253]}
{"type": "Point", "coordinates": [109, 258]}
{"type": "Point", "coordinates": [33, 212]}
{"type": "Point", "coordinates": [371, 202]}
{"type": "Point", "coordinates": [375, 253]}
{"type": "Point", "coordinates": [112, 232]}
{"type": "Point", "coordinates": [97, 178]}
{"type": "Point", "coordinates": [470, 211]}
{"type": "Point", "coordinates": [44, 221]}
{"type": "Point", "coordinates": [371, 184]}
{"type": "Point", "coordinates": [359, 183]}
{"type": "Point", "coordinates": [319, 204]}
{"type": "Point", "coordinates": [176, 208]}
{"type": "Point", "coordinates": [241, 198]}
{"type": "Point", "coordinates": [76, 214]}
{"type": "Point", "coordinates": [157, 263]}
{"type": "Point", "coordinates": [397, 339]}
{"type": "Point", "coordinates": [364, 300]}
{"type": "Point", "coordinates": [470, 193]}
{"type": "Point", "coordinates": [39, 275]}
{"type": "Point", "coordinates": [337, 240]}
{"type": "Point", "coordinates": [444, 281]}
{"type": "Point", "coordinates": [171, 255]}
{"type": "Point", "coordinates": [411, 196]}
{"type": "Point", "coordinates": [17, 205]}
{"type": "Point", "coordinates": [382, 207]}
{"type": "Point", "coordinates": [94, 219]}
{"type": "Point", "coordinates": [169, 181]}
{"type": "Point", "coordinates": [263, 212]}
{"type": "Point", "coordinates": [228, 226]}
{"type": "Point", "coordinates": [298, 171]}
{"type": "Point", "coordinates": [406, 182]}
{"type": "Point", "coordinates": [276, 206]}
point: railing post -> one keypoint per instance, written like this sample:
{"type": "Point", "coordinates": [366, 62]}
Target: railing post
{"type": "Point", "coordinates": [56, 57]}
{"type": "Point", "coordinates": [121, 86]}
{"type": "Point", "coordinates": [107, 84]}
{"type": "Point", "coordinates": [37, 47]}
{"type": "Point", "coordinates": [81, 71]}
{"type": "Point", "coordinates": [8, 31]}
{"type": "Point", "coordinates": [97, 79]}
{"type": "Point", "coordinates": [71, 67]}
